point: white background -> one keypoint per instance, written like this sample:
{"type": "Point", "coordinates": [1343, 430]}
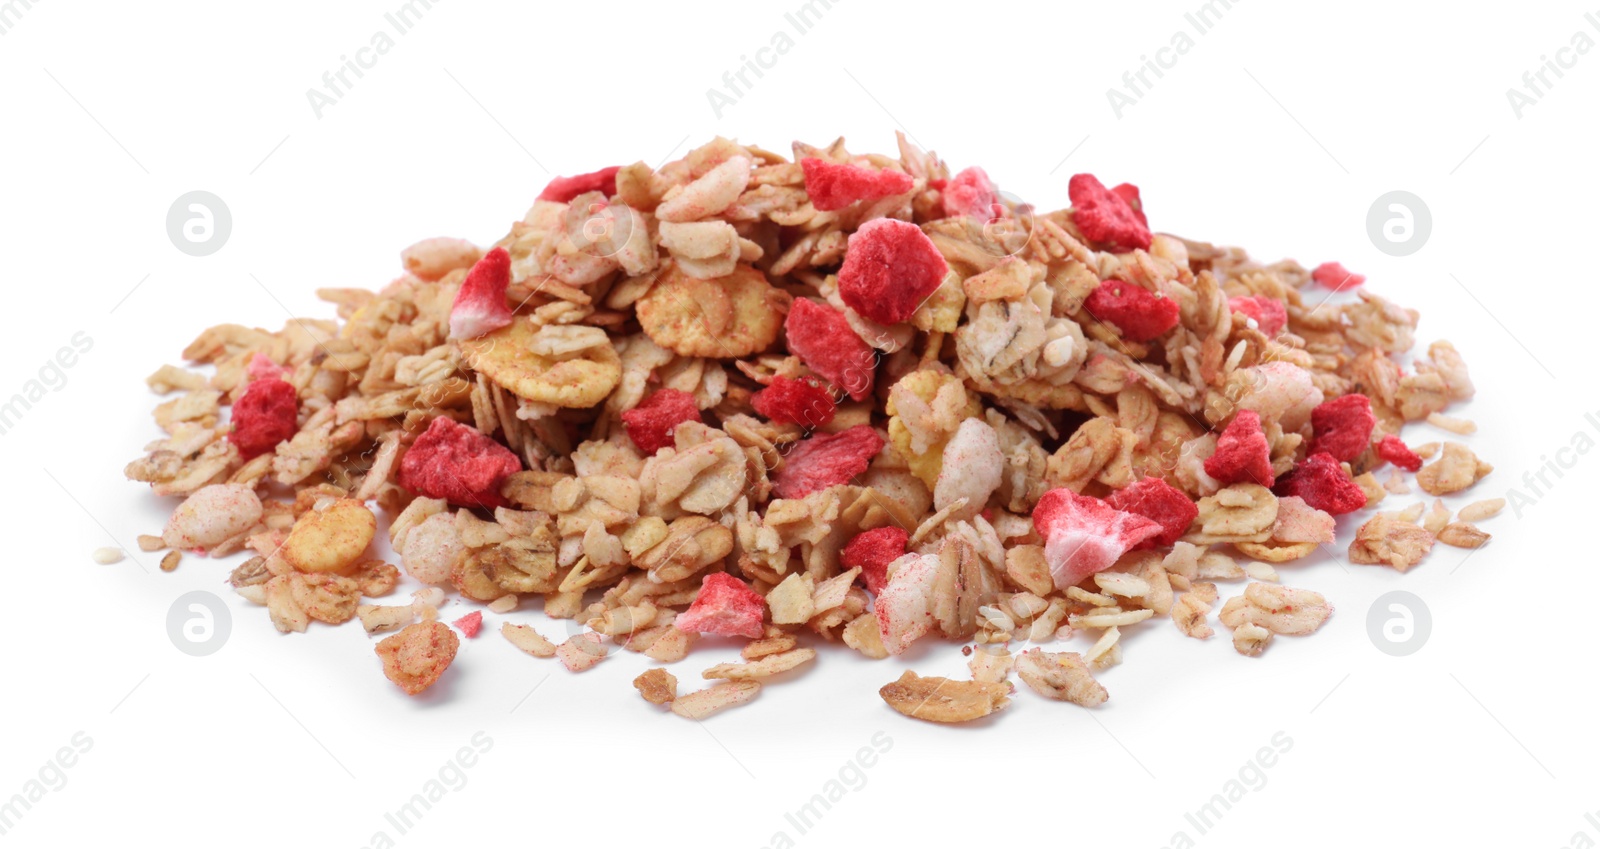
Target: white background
{"type": "Point", "coordinates": [1276, 132]}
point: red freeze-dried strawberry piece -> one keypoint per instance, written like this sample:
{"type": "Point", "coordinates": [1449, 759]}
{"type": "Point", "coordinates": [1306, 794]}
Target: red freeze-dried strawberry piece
{"type": "Point", "coordinates": [802, 402]}
{"type": "Point", "coordinates": [1084, 535]}
{"type": "Point", "coordinates": [1130, 195]}
{"type": "Point", "coordinates": [1105, 217]}
{"type": "Point", "coordinates": [970, 193]}
{"type": "Point", "coordinates": [564, 189]}
{"type": "Point", "coordinates": [264, 416]}
{"type": "Point", "coordinates": [726, 606]}
{"type": "Point", "coordinates": [822, 338]}
{"type": "Point", "coordinates": [458, 463]}
{"type": "Point", "coordinates": [873, 551]}
{"type": "Point", "coordinates": [1335, 276]}
{"type": "Point", "coordinates": [1342, 427]}
{"type": "Point", "coordinates": [834, 185]}
{"type": "Point", "coordinates": [470, 624]}
{"type": "Point", "coordinates": [480, 305]}
{"type": "Point", "coordinates": [1242, 452]}
{"type": "Point", "coordinates": [1324, 484]}
{"type": "Point", "coordinates": [1270, 314]}
{"type": "Point", "coordinates": [827, 459]}
{"type": "Point", "coordinates": [1160, 502]}
{"type": "Point", "coordinates": [651, 424]}
{"type": "Point", "coordinates": [1393, 450]}
{"type": "Point", "coordinates": [1138, 314]}
{"type": "Point", "coordinates": [890, 268]}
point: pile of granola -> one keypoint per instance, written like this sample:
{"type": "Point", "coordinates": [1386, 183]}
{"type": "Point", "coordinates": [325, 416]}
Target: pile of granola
{"type": "Point", "coordinates": [854, 398]}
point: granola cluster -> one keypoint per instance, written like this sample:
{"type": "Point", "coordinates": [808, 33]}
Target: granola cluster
{"type": "Point", "coordinates": [847, 398]}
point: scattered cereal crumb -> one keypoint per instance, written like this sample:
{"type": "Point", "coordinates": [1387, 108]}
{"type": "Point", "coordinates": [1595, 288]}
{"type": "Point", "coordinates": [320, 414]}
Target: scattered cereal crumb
{"type": "Point", "coordinates": [108, 555]}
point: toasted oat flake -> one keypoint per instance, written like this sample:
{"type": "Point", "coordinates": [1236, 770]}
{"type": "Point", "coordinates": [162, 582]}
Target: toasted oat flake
{"type": "Point", "coordinates": [1477, 511]}
{"type": "Point", "coordinates": [943, 700]}
{"type": "Point", "coordinates": [657, 686]}
{"type": "Point", "coordinates": [703, 703]}
{"type": "Point", "coordinates": [1452, 424]}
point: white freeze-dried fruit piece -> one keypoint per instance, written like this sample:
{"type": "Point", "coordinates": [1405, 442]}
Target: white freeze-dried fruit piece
{"type": "Point", "coordinates": [212, 514]}
{"type": "Point", "coordinates": [904, 609]}
{"type": "Point", "coordinates": [703, 703]}
{"type": "Point", "coordinates": [433, 549]}
{"type": "Point", "coordinates": [972, 467]}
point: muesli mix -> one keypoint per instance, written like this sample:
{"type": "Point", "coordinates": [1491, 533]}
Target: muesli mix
{"type": "Point", "coordinates": [845, 398]}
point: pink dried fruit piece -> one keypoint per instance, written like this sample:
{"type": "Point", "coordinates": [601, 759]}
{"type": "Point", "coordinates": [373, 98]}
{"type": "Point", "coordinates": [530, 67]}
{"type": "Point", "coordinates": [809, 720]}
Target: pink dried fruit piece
{"type": "Point", "coordinates": [1105, 217]}
{"type": "Point", "coordinates": [1392, 449]}
{"type": "Point", "coordinates": [1270, 314]}
{"type": "Point", "coordinates": [564, 189]}
{"type": "Point", "coordinates": [458, 463]}
{"type": "Point", "coordinates": [1334, 276]}
{"type": "Point", "coordinates": [1160, 502]}
{"type": "Point", "coordinates": [1242, 454]}
{"type": "Point", "coordinates": [264, 416]}
{"type": "Point", "coordinates": [890, 268]}
{"type": "Point", "coordinates": [799, 401]}
{"type": "Point", "coordinates": [826, 459]}
{"type": "Point", "coordinates": [833, 185]}
{"type": "Point", "coordinates": [822, 338]}
{"type": "Point", "coordinates": [725, 606]}
{"type": "Point", "coordinates": [651, 425]}
{"type": "Point", "coordinates": [1342, 427]}
{"type": "Point", "coordinates": [262, 367]}
{"type": "Point", "coordinates": [480, 305]}
{"type": "Point", "coordinates": [1084, 535]}
{"type": "Point", "coordinates": [470, 624]}
{"type": "Point", "coordinates": [970, 193]}
{"type": "Point", "coordinates": [1324, 484]}
{"type": "Point", "coordinates": [1138, 314]}
{"type": "Point", "coordinates": [873, 551]}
